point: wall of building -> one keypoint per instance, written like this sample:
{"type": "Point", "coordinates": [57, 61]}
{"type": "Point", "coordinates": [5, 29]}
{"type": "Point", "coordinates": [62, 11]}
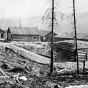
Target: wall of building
{"type": "Point", "coordinates": [28, 38]}
{"type": "Point", "coordinates": [47, 38]}
{"type": "Point", "coordinates": [5, 35]}
{"type": "Point", "coordinates": [1, 35]}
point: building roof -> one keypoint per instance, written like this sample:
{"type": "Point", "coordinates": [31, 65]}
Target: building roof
{"type": "Point", "coordinates": [43, 32]}
{"type": "Point", "coordinates": [1, 31]}
{"type": "Point", "coordinates": [24, 30]}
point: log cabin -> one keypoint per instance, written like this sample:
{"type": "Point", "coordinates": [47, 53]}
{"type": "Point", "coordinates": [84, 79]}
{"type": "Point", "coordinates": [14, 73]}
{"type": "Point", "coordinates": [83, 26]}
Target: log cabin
{"type": "Point", "coordinates": [29, 34]}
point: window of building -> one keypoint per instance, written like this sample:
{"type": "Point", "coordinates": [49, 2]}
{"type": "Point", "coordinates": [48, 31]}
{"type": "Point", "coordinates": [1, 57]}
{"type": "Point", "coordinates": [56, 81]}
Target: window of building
{"type": "Point", "coordinates": [2, 35]}
{"type": "Point", "coordinates": [34, 37]}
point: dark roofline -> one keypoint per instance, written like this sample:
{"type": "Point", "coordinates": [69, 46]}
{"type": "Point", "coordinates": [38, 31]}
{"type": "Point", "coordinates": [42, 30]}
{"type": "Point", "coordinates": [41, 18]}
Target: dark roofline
{"type": "Point", "coordinates": [44, 32]}
{"type": "Point", "coordinates": [2, 31]}
{"type": "Point", "coordinates": [24, 30]}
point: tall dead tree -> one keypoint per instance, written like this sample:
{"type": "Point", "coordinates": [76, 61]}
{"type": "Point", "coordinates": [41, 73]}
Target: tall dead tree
{"type": "Point", "coordinates": [52, 23]}
{"type": "Point", "coordinates": [75, 37]}
{"type": "Point", "coordinates": [51, 70]}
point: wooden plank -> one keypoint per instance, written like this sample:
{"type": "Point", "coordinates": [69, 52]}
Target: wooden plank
{"type": "Point", "coordinates": [82, 55]}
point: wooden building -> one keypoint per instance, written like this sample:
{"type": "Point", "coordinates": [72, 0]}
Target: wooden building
{"type": "Point", "coordinates": [45, 36]}
{"type": "Point", "coordinates": [29, 34]}
{"type": "Point", "coordinates": [1, 34]}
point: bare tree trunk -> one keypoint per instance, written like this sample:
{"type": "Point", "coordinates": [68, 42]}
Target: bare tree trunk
{"type": "Point", "coordinates": [51, 68]}
{"type": "Point", "coordinates": [75, 37]}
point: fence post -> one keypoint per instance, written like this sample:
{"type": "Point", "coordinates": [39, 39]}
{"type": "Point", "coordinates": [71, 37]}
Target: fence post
{"type": "Point", "coordinates": [83, 66]}
{"type": "Point", "coordinates": [86, 55]}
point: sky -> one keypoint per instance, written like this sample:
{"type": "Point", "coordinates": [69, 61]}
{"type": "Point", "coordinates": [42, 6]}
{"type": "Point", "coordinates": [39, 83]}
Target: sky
{"type": "Point", "coordinates": [32, 8]}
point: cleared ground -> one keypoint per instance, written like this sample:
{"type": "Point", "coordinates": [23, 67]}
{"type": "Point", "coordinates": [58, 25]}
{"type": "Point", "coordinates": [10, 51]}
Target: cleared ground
{"type": "Point", "coordinates": [36, 73]}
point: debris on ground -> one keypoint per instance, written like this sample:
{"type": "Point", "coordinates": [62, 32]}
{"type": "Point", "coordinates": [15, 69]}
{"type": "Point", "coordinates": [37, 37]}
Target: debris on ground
{"type": "Point", "coordinates": [17, 71]}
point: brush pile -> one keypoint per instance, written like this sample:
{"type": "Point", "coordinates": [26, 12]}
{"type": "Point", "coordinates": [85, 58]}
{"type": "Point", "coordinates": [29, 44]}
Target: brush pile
{"type": "Point", "coordinates": [64, 51]}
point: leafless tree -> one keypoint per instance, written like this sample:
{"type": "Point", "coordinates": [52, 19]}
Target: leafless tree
{"type": "Point", "coordinates": [73, 17]}
{"type": "Point", "coordinates": [75, 36]}
{"type": "Point", "coordinates": [51, 22]}
{"type": "Point", "coordinates": [47, 18]}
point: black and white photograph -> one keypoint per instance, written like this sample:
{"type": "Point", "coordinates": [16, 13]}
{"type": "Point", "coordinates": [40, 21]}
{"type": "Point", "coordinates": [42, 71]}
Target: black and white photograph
{"type": "Point", "coordinates": [43, 43]}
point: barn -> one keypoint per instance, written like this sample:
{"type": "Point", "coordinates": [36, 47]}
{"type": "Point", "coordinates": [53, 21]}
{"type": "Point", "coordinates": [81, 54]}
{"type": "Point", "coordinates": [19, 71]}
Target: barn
{"type": "Point", "coordinates": [29, 34]}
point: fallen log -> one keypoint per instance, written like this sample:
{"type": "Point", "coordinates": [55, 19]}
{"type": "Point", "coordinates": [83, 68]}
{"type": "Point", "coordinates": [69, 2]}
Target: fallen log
{"type": "Point", "coordinates": [30, 55]}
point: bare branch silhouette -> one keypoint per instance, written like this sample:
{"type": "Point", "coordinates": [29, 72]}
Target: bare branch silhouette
{"type": "Point", "coordinates": [47, 18]}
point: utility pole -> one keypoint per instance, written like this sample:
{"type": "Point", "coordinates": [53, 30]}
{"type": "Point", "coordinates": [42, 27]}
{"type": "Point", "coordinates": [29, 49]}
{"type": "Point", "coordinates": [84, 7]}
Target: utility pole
{"type": "Point", "coordinates": [75, 37]}
{"type": "Point", "coordinates": [51, 68]}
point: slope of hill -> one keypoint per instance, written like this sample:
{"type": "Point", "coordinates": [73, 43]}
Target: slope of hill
{"type": "Point", "coordinates": [65, 24]}
{"type": "Point", "coordinates": [81, 20]}
{"type": "Point", "coordinates": [71, 35]}
{"type": "Point", "coordinates": [25, 22]}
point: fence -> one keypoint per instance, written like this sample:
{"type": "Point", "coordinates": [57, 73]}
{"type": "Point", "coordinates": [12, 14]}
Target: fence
{"type": "Point", "coordinates": [82, 56]}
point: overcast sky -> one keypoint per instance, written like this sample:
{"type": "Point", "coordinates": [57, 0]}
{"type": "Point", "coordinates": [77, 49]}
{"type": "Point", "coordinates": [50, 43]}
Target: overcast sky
{"type": "Point", "coordinates": [31, 8]}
